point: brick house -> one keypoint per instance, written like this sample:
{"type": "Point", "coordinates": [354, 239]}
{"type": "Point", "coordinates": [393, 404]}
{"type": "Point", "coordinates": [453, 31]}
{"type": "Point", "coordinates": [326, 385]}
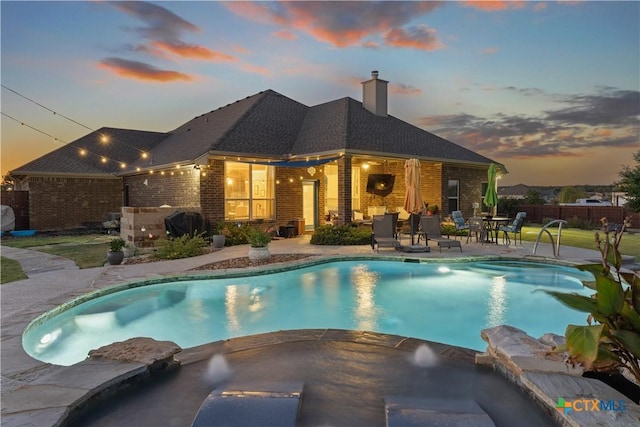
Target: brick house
{"type": "Point", "coordinates": [265, 158]}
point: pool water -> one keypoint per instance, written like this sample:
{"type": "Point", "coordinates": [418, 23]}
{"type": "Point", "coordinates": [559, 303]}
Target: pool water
{"type": "Point", "coordinates": [448, 303]}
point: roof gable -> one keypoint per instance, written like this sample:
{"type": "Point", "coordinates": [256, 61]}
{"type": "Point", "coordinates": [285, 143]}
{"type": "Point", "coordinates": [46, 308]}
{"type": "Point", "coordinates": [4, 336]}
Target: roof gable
{"type": "Point", "coordinates": [123, 146]}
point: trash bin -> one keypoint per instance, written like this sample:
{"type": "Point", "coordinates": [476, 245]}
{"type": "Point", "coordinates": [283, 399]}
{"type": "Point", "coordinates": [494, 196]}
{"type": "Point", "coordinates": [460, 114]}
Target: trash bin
{"type": "Point", "coordinates": [298, 224]}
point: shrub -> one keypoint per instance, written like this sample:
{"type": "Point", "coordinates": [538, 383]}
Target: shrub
{"type": "Point", "coordinates": [341, 235]}
{"type": "Point", "coordinates": [611, 340]}
{"type": "Point", "coordinates": [235, 234]}
{"type": "Point", "coordinates": [117, 244]}
{"type": "Point", "coordinates": [257, 238]}
{"type": "Point", "coordinates": [581, 223]}
{"type": "Point", "coordinates": [182, 247]}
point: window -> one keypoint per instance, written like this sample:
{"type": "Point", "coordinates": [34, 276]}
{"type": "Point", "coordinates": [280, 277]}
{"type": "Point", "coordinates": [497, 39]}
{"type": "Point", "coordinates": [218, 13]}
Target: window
{"type": "Point", "coordinates": [249, 191]}
{"type": "Point", "coordinates": [331, 189]}
{"type": "Point", "coordinates": [453, 195]}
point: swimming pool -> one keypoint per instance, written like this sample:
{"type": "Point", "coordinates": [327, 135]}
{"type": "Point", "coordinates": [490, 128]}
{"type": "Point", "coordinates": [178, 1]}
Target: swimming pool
{"type": "Point", "coordinates": [448, 302]}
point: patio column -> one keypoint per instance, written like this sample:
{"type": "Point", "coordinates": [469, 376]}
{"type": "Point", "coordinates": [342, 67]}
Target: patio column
{"type": "Point", "coordinates": [344, 190]}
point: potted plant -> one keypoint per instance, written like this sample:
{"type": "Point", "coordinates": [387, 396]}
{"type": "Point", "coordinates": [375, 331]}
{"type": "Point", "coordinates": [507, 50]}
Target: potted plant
{"type": "Point", "coordinates": [219, 234]}
{"type": "Point", "coordinates": [116, 254]}
{"type": "Point", "coordinates": [259, 244]}
{"type": "Point", "coordinates": [432, 210]}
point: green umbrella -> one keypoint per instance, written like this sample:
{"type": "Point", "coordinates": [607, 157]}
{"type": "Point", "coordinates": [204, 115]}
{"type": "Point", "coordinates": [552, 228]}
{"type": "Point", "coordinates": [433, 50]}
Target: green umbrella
{"type": "Point", "coordinates": [491, 198]}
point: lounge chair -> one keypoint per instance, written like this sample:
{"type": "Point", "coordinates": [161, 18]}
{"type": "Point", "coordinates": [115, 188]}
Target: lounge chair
{"type": "Point", "coordinates": [273, 404]}
{"type": "Point", "coordinates": [431, 228]}
{"type": "Point", "coordinates": [411, 227]}
{"type": "Point", "coordinates": [459, 222]}
{"type": "Point", "coordinates": [515, 228]}
{"type": "Point", "coordinates": [384, 233]}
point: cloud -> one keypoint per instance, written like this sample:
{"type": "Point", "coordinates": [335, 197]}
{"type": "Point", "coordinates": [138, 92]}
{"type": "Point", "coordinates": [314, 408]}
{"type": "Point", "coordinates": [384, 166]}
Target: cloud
{"type": "Point", "coordinates": [162, 24]}
{"type": "Point", "coordinates": [403, 89]}
{"type": "Point", "coordinates": [162, 31]}
{"type": "Point", "coordinates": [420, 37]}
{"type": "Point", "coordinates": [607, 107]}
{"type": "Point", "coordinates": [141, 71]}
{"type": "Point", "coordinates": [343, 24]}
{"type": "Point", "coordinates": [493, 5]}
{"type": "Point", "coordinates": [490, 50]}
{"type": "Point", "coordinates": [285, 35]}
{"type": "Point", "coordinates": [607, 119]}
{"type": "Point", "coordinates": [192, 51]}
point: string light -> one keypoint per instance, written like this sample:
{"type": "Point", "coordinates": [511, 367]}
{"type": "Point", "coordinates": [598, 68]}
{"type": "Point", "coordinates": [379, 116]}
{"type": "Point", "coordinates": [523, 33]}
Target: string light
{"type": "Point", "coordinates": [103, 137]}
{"type": "Point", "coordinates": [81, 151]}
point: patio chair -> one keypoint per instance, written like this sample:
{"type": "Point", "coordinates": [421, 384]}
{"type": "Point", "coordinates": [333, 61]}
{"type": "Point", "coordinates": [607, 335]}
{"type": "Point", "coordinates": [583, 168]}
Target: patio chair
{"type": "Point", "coordinates": [431, 228]}
{"type": "Point", "coordinates": [476, 228]}
{"type": "Point", "coordinates": [384, 232]}
{"type": "Point", "coordinates": [515, 228]}
{"type": "Point", "coordinates": [459, 221]}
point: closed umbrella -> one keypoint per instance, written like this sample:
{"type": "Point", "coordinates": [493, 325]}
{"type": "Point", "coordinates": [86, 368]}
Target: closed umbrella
{"type": "Point", "coordinates": [412, 199]}
{"type": "Point", "coordinates": [491, 197]}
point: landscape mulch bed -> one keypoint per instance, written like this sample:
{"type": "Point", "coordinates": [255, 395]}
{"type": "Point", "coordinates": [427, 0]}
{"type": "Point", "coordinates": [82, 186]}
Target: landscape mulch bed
{"type": "Point", "coordinates": [242, 262]}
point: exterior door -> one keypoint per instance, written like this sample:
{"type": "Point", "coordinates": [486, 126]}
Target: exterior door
{"type": "Point", "coordinates": [310, 204]}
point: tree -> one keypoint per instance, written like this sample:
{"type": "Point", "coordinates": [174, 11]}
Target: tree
{"type": "Point", "coordinates": [533, 197]}
{"type": "Point", "coordinates": [7, 183]}
{"type": "Point", "coordinates": [570, 194]}
{"type": "Point", "coordinates": [630, 182]}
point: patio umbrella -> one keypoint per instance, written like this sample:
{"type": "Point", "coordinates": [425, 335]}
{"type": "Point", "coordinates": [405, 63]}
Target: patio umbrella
{"type": "Point", "coordinates": [491, 197]}
{"type": "Point", "coordinates": [412, 199]}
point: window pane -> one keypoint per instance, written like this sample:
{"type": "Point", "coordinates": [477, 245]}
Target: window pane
{"type": "Point", "coordinates": [249, 191]}
{"type": "Point", "coordinates": [452, 191]}
{"type": "Point", "coordinates": [331, 191]}
{"type": "Point", "coordinates": [237, 210]}
{"type": "Point", "coordinates": [236, 180]}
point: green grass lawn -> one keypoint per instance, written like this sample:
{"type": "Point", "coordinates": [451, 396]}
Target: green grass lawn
{"type": "Point", "coordinates": [10, 271]}
{"type": "Point", "coordinates": [630, 244]}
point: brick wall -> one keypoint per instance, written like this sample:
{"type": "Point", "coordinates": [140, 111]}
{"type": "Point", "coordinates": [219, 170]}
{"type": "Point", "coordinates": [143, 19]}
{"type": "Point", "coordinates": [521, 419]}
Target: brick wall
{"type": "Point", "coordinates": [430, 190]}
{"type": "Point", "coordinates": [289, 193]}
{"type": "Point", "coordinates": [179, 187]}
{"type": "Point", "coordinates": [470, 189]}
{"type": "Point", "coordinates": [57, 203]}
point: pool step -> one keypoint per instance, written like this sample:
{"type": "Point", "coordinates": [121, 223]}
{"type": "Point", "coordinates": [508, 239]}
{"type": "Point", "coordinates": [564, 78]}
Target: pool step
{"type": "Point", "coordinates": [263, 404]}
{"type": "Point", "coordinates": [403, 411]}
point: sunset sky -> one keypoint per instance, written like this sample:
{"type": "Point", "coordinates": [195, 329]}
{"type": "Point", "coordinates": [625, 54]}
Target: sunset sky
{"type": "Point", "coordinates": [549, 89]}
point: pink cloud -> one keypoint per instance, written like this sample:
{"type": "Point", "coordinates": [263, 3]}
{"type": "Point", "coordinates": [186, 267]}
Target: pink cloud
{"type": "Point", "coordinates": [402, 89]}
{"type": "Point", "coordinates": [285, 35]}
{"type": "Point", "coordinates": [490, 50]}
{"type": "Point", "coordinates": [494, 5]}
{"type": "Point", "coordinates": [255, 69]}
{"type": "Point", "coordinates": [193, 51]}
{"type": "Point", "coordinates": [340, 24]}
{"type": "Point", "coordinates": [140, 71]}
{"type": "Point", "coordinates": [420, 37]}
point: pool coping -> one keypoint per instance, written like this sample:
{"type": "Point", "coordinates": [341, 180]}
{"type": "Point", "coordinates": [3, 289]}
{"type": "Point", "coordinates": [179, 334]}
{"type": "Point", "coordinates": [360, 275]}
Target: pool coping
{"type": "Point", "coordinates": [43, 394]}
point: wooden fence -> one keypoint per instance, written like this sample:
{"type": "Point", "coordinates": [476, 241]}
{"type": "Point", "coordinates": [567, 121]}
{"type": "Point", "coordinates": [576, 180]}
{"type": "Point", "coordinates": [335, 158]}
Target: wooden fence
{"type": "Point", "coordinates": [541, 213]}
{"type": "Point", "coordinates": [19, 202]}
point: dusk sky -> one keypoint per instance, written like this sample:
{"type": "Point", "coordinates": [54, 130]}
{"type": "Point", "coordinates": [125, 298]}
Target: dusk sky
{"type": "Point", "coordinates": [549, 89]}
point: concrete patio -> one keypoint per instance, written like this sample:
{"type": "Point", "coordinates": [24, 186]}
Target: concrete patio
{"type": "Point", "coordinates": [39, 394]}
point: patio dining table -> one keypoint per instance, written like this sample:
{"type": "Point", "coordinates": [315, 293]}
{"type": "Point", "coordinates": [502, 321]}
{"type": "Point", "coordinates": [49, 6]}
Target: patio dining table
{"type": "Point", "coordinates": [491, 227]}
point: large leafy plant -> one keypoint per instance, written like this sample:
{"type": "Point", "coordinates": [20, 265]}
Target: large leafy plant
{"type": "Point", "coordinates": [611, 340]}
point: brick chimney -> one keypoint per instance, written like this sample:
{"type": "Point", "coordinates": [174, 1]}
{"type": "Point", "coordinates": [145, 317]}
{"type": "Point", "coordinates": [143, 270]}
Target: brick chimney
{"type": "Point", "coordinates": [374, 95]}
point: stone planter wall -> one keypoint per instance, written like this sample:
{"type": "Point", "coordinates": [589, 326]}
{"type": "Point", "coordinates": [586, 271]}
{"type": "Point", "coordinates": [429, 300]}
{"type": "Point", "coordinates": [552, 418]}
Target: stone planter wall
{"type": "Point", "coordinates": [149, 218]}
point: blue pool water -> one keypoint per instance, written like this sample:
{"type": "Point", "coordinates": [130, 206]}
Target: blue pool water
{"type": "Point", "coordinates": [449, 303]}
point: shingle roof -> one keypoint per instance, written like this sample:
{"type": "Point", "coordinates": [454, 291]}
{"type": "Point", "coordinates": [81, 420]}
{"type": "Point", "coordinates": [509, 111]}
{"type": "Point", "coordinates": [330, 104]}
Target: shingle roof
{"type": "Point", "coordinates": [123, 145]}
{"type": "Point", "coordinates": [268, 125]}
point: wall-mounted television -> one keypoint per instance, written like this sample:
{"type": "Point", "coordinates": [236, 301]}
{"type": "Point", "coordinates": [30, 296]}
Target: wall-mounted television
{"type": "Point", "coordinates": [380, 184]}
